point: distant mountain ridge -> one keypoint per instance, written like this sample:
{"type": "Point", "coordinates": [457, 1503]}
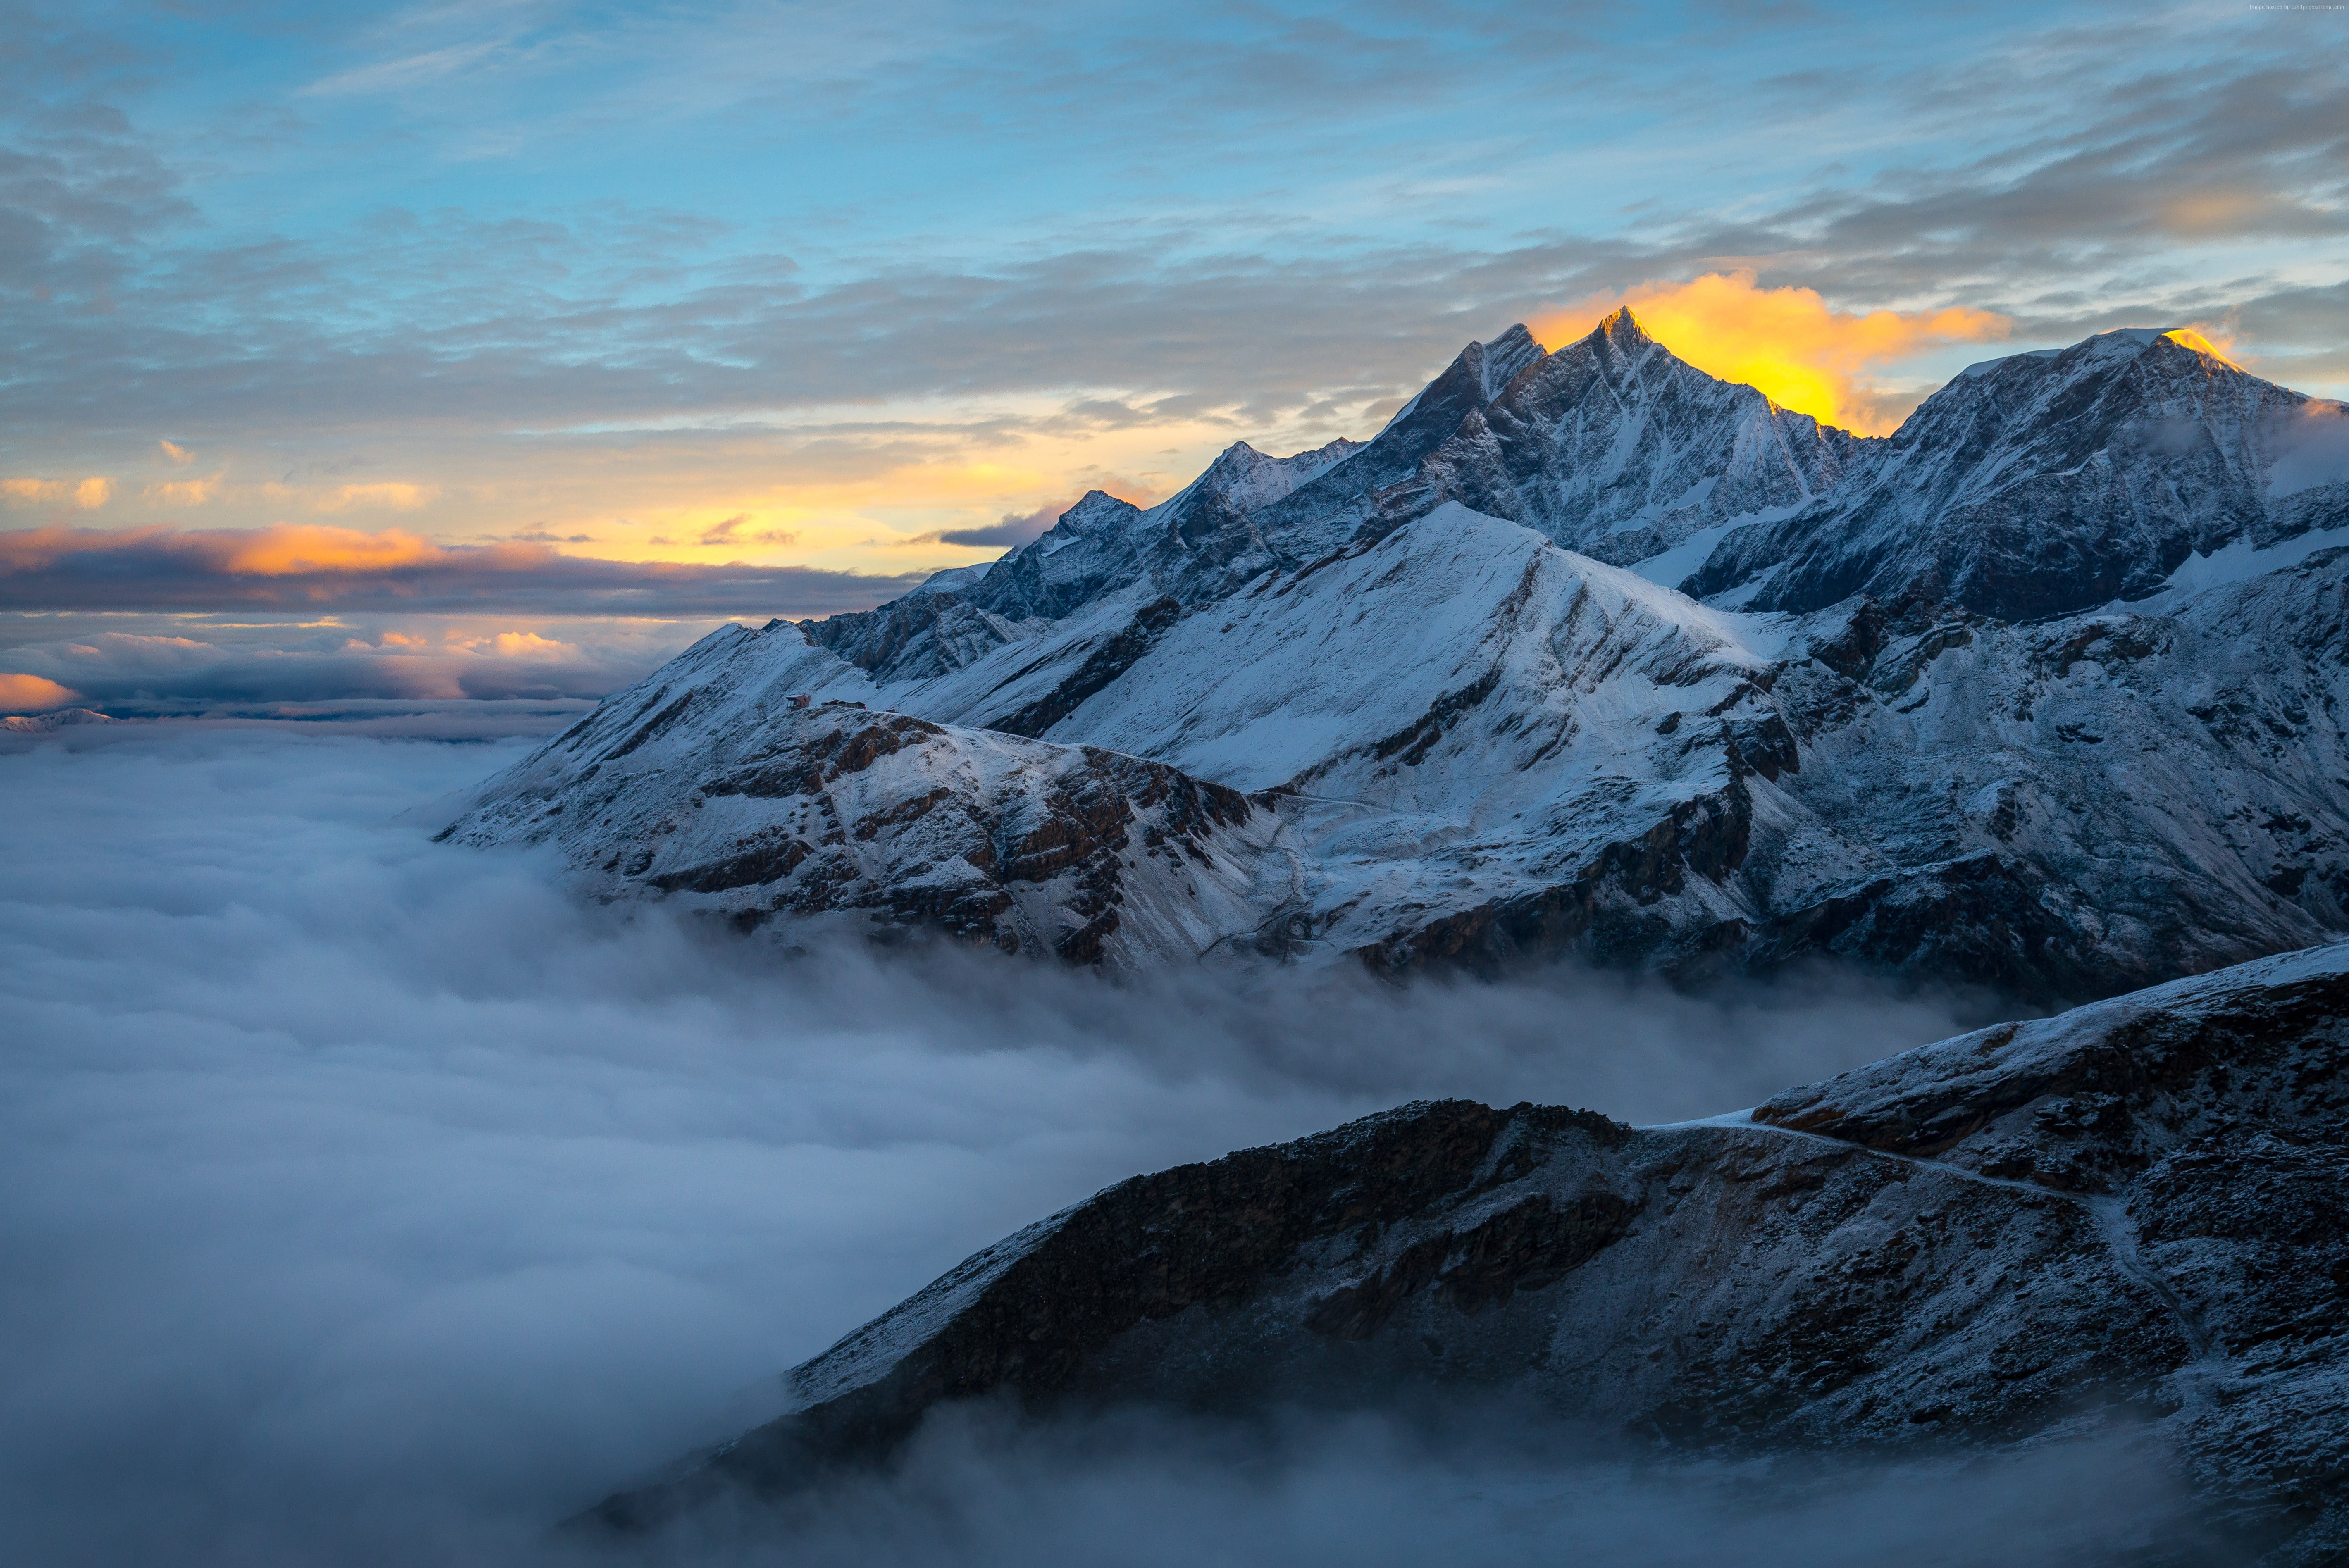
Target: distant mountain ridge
{"type": "Point", "coordinates": [2043, 691]}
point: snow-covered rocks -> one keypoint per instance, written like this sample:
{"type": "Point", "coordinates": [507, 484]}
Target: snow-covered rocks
{"type": "Point", "coordinates": [45, 723]}
{"type": "Point", "coordinates": [1616, 448]}
{"type": "Point", "coordinates": [747, 807]}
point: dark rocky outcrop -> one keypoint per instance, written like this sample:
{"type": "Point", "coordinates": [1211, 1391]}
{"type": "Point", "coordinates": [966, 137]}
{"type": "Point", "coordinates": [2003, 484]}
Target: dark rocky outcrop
{"type": "Point", "coordinates": [2135, 1212]}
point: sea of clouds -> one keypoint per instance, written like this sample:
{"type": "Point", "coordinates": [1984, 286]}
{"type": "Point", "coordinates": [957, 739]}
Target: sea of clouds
{"type": "Point", "coordinates": [365, 1200]}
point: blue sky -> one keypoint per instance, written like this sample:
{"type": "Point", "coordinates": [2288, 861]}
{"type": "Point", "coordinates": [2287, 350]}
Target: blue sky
{"type": "Point", "coordinates": [814, 285]}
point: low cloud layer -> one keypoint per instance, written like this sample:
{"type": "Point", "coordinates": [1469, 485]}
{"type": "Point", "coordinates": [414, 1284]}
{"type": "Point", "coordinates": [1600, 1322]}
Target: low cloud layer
{"type": "Point", "coordinates": [1475, 1483]}
{"type": "Point", "coordinates": [313, 567]}
{"type": "Point", "coordinates": [151, 665]}
{"type": "Point", "coordinates": [378, 1204]}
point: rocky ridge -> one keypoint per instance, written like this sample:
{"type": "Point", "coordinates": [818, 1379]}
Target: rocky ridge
{"type": "Point", "coordinates": [2137, 1213]}
{"type": "Point", "coordinates": [740, 802]}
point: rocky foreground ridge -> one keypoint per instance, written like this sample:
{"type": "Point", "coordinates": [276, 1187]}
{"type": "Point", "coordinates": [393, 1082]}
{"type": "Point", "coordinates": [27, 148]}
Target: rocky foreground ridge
{"type": "Point", "coordinates": [1586, 651]}
{"type": "Point", "coordinates": [2135, 1212]}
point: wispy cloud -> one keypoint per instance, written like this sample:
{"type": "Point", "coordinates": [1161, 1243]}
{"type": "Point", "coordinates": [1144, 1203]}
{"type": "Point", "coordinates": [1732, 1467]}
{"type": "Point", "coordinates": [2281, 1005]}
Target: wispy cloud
{"type": "Point", "coordinates": [740, 529]}
{"type": "Point", "coordinates": [972, 314]}
{"type": "Point", "coordinates": [89, 494]}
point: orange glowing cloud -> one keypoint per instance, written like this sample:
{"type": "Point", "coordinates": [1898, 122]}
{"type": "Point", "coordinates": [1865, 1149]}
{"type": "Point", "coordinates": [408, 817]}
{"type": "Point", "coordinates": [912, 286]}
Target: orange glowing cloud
{"type": "Point", "coordinates": [32, 694]}
{"type": "Point", "coordinates": [1787, 343]}
{"type": "Point", "coordinates": [184, 492]}
{"type": "Point", "coordinates": [516, 646]}
{"type": "Point", "coordinates": [294, 548]}
{"type": "Point", "coordinates": [399, 497]}
{"type": "Point", "coordinates": [90, 494]}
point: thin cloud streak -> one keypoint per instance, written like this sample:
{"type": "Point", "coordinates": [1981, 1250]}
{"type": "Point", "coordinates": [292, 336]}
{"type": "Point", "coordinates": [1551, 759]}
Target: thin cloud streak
{"type": "Point", "coordinates": [154, 569]}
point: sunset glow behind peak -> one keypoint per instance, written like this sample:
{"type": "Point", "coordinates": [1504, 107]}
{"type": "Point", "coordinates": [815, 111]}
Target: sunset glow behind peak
{"type": "Point", "coordinates": [1787, 343]}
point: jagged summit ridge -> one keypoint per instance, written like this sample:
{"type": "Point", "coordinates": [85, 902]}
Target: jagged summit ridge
{"type": "Point", "coordinates": [1612, 446]}
{"type": "Point", "coordinates": [1616, 448]}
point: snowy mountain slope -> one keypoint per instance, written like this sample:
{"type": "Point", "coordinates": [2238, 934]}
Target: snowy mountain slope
{"type": "Point", "coordinates": [2131, 1214]}
{"type": "Point", "coordinates": [1430, 723]}
{"type": "Point", "coordinates": [1467, 747]}
{"type": "Point", "coordinates": [2131, 794]}
{"type": "Point", "coordinates": [1461, 713]}
{"type": "Point", "coordinates": [708, 785]}
{"type": "Point", "coordinates": [2047, 483]}
{"type": "Point", "coordinates": [1292, 682]}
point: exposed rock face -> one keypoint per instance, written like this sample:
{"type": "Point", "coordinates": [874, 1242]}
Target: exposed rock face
{"type": "Point", "coordinates": [2135, 1211]}
{"type": "Point", "coordinates": [2043, 484]}
{"type": "Point", "coordinates": [743, 805]}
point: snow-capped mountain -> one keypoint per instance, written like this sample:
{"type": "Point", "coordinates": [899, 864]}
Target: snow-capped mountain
{"type": "Point", "coordinates": [2134, 1215]}
{"type": "Point", "coordinates": [2043, 484]}
{"type": "Point", "coordinates": [1458, 741]}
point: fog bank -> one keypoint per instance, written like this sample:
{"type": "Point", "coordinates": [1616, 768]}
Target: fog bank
{"type": "Point", "coordinates": [367, 1200]}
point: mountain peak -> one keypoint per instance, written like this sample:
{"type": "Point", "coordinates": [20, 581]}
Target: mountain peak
{"type": "Point", "coordinates": [2121, 342]}
{"type": "Point", "coordinates": [1496, 363]}
{"type": "Point", "coordinates": [2128, 342]}
{"type": "Point", "coordinates": [1515, 341]}
{"type": "Point", "coordinates": [2187, 337]}
{"type": "Point", "coordinates": [1622, 327]}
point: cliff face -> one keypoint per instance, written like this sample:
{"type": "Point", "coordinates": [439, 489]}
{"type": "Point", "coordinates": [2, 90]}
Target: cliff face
{"type": "Point", "coordinates": [2137, 1211]}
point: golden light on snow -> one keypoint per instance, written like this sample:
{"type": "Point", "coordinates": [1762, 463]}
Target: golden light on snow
{"type": "Point", "coordinates": [1787, 343]}
{"type": "Point", "coordinates": [2212, 341]}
